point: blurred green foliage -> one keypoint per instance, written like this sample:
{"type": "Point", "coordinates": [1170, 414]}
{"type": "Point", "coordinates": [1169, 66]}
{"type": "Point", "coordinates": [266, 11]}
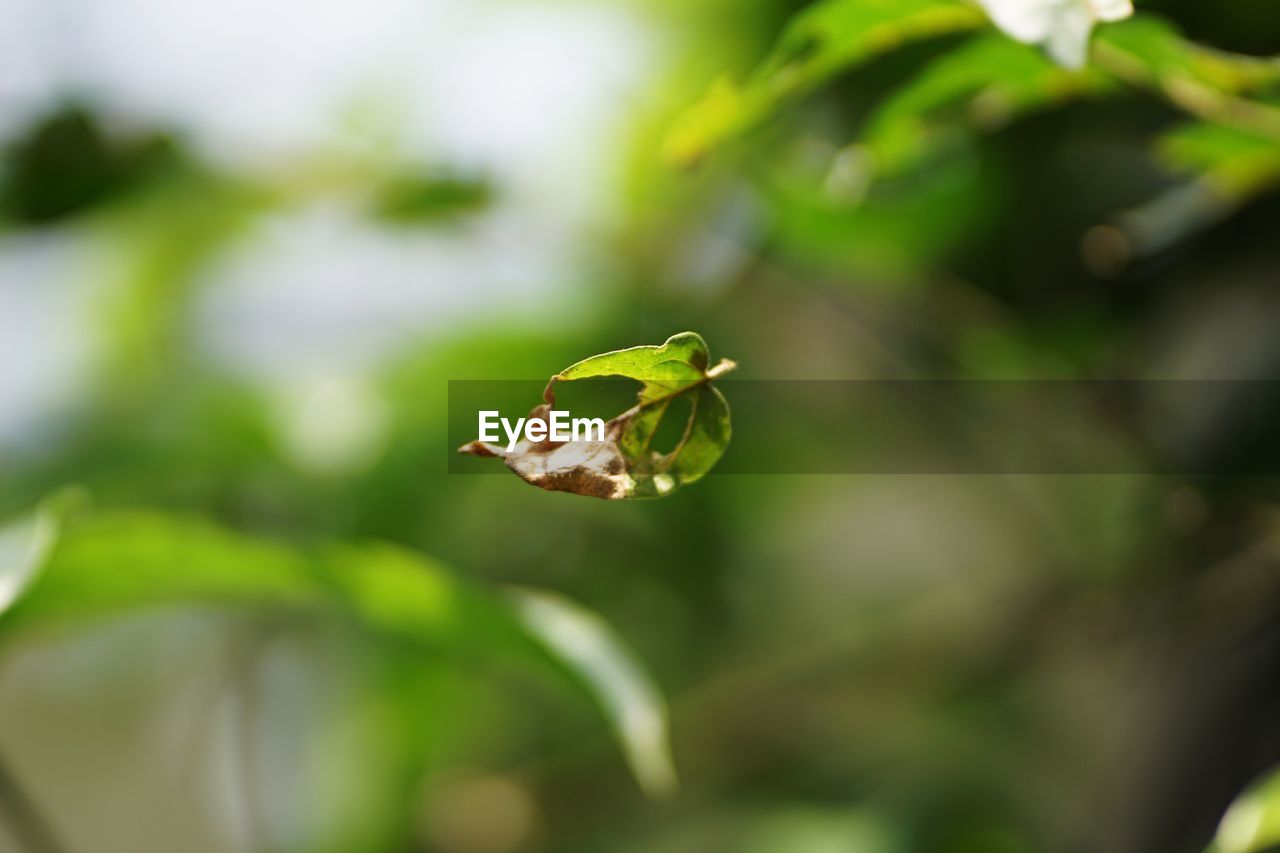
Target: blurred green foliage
{"type": "Point", "coordinates": [433, 198]}
{"type": "Point", "coordinates": [67, 163]}
{"type": "Point", "coordinates": [853, 663]}
{"type": "Point", "coordinates": [1252, 824]}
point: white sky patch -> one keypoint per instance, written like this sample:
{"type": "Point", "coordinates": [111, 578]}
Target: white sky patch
{"type": "Point", "coordinates": [321, 290]}
{"type": "Point", "coordinates": [533, 95]}
{"type": "Point", "coordinates": [246, 79]}
{"type": "Point", "coordinates": [538, 95]}
{"type": "Point", "coordinates": [332, 425]}
{"type": "Point", "coordinates": [44, 332]}
{"type": "Point", "coordinates": [514, 87]}
{"type": "Point", "coordinates": [530, 96]}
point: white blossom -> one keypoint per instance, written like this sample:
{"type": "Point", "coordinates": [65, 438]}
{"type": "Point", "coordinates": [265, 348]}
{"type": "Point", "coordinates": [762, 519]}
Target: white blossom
{"type": "Point", "coordinates": [1061, 26]}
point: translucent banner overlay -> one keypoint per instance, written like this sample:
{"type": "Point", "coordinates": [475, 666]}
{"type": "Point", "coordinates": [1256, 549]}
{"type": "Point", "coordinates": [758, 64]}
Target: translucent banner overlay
{"type": "Point", "coordinates": [901, 427]}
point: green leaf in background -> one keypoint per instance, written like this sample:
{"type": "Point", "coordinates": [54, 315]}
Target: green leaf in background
{"type": "Point", "coordinates": [1154, 47]}
{"type": "Point", "coordinates": [432, 199]}
{"type": "Point", "coordinates": [1252, 823]}
{"type": "Point", "coordinates": [25, 544]}
{"type": "Point", "coordinates": [73, 162]}
{"type": "Point", "coordinates": [820, 42]}
{"type": "Point", "coordinates": [982, 85]}
{"type": "Point", "coordinates": [1149, 52]}
{"type": "Point", "coordinates": [883, 231]}
{"type": "Point", "coordinates": [624, 464]}
{"type": "Point", "coordinates": [1234, 164]}
{"type": "Point", "coordinates": [1225, 168]}
{"type": "Point", "coordinates": [627, 696]}
{"type": "Point", "coordinates": [107, 563]}
{"type": "Point", "coordinates": [907, 189]}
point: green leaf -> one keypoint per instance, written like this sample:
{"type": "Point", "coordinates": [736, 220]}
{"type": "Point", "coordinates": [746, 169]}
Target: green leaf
{"type": "Point", "coordinates": [25, 544]}
{"type": "Point", "coordinates": [624, 464]}
{"type": "Point", "coordinates": [1235, 164]}
{"type": "Point", "coordinates": [1151, 47]}
{"type": "Point", "coordinates": [993, 79]}
{"type": "Point", "coordinates": [665, 369]}
{"type": "Point", "coordinates": [1225, 168]}
{"type": "Point", "coordinates": [624, 692]}
{"type": "Point", "coordinates": [108, 563]}
{"type": "Point", "coordinates": [69, 162]}
{"type": "Point", "coordinates": [888, 229]}
{"type": "Point", "coordinates": [821, 42]}
{"type": "Point", "coordinates": [1150, 52]}
{"type": "Point", "coordinates": [982, 85]}
{"type": "Point", "coordinates": [1252, 823]}
{"type": "Point", "coordinates": [432, 199]}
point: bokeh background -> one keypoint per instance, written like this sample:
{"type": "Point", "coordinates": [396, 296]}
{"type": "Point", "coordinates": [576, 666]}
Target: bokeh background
{"type": "Point", "coordinates": [243, 247]}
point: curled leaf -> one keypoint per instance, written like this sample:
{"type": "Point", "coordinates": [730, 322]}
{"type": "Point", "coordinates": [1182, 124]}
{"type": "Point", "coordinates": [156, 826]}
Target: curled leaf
{"type": "Point", "coordinates": [624, 464]}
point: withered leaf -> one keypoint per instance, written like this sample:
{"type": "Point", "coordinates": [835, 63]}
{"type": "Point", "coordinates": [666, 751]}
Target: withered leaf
{"type": "Point", "coordinates": [624, 464]}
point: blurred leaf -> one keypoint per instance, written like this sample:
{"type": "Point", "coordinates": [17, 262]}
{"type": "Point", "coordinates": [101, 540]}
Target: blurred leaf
{"type": "Point", "coordinates": [106, 563]}
{"type": "Point", "coordinates": [25, 544]}
{"type": "Point", "coordinates": [1226, 168]}
{"type": "Point", "coordinates": [779, 826]}
{"type": "Point", "coordinates": [626, 694]}
{"type": "Point", "coordinates": [994, 79]}
{"type": "Point", "coordinates": [820, 42]}
{"type": "Point", "coordinates": [1236, 164]}
{"type": "Point", "coordinates": [1149, 51]}
{"type": "Point", "coordinates": [892, 228]}
{"type": "Point", "coordinates": [163, 243]}
{"type": "Point", "coordinates": [1154, 48]}
{"type": "Point", "coordinates": [121, 561]}
{"type": "Point", "coordinates": [624, 464]}
{"type": "Point", "coordinates": [68, 163]}
{"type": "Point", "coordinates": [432, 199]}
{"type": "Point", "coordinates": [909, 189]}
{"type": "Point", "coordinates": [981, 85]}
{"type": "Point", "coordinates": [1252, 823]}
{"type": "Point", "coordinates": [811, 830]}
